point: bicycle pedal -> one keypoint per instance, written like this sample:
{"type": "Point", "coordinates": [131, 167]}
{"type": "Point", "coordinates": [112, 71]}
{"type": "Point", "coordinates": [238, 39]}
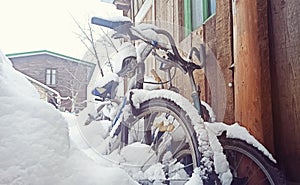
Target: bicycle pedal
{"type": "Point", "coordinates": [91, 116]}
{"type": "Point", "coordinates": [89, 119]}
{"type": "Point", "coordinates": [170, 127]}
{"type": "Point", "coordinates": [87, 122]}
{"type": "Point", "coordinates": [164, 128]}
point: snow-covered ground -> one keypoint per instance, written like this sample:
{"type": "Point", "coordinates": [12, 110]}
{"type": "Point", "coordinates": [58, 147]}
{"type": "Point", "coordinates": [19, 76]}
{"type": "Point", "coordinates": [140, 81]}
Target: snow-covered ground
{"type": "Point", "coordinates": [34, 140]}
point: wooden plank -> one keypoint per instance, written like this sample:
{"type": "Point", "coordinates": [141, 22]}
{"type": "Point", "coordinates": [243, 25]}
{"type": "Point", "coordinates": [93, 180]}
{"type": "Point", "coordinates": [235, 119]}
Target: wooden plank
{"type": "Point", "coordinates": [252, 73]}
{"type": "Point", "coordinates": [224, 56]}
{"type": "Point", "coordinates": [285, 71]}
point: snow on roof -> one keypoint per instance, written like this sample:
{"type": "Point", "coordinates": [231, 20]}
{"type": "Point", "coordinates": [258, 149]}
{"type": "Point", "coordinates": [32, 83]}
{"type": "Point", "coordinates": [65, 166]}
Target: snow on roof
{"type": "Point", "coordinates": [41, 85]}
{"type": "Point", "coordinates": [39, 52]}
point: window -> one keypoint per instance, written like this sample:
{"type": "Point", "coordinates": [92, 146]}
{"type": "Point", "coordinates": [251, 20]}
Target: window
{"type": "Point", "coordinates": [196, 12]}
{"type": "Point", "coordinates": [50, 76]}
{"type": "Point", "coordinates": [209, 8]}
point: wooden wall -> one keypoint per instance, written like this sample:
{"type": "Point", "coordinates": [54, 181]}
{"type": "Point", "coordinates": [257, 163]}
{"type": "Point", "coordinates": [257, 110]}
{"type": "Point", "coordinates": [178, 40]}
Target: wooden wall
{"type": "Point", "coordinates": [217, 35]}
{"type": "Point", "coordinates": [218, 38]}
{"type": "Point", "coordinates": [284, 25]}
{"type": "Point", "coordinates": [169, 16]}
{"type": "Point", "coordinates": [224, 41]}
{"type": "Point", "coordinates": [262, 37]}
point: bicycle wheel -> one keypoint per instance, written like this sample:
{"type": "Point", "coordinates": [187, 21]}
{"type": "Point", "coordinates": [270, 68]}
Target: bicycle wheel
{"type": "Point", "coordinates": [165, 130]}
{"type": "Point", "coordinates": [207, 113]}
{"type": "Point", "coordinates": [248, 165]}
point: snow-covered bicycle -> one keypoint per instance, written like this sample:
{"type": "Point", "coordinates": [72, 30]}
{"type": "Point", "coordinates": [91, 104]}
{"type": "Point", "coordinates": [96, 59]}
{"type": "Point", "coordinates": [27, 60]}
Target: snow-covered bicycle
{"type": "Point", "coordinates": [158, 136]}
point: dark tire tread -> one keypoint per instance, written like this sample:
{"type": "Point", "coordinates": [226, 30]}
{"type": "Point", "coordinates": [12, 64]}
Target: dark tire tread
{"type": "Point", "coordinates": [277, 176]}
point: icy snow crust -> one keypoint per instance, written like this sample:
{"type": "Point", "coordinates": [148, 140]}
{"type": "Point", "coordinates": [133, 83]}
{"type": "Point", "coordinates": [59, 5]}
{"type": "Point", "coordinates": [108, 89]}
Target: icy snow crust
{"type": "Point", "coordinates": [34, 140]}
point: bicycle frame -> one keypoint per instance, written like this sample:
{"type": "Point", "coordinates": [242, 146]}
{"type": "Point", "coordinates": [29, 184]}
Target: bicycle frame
{"type": "Point", "coordinates": [125, 29]}
{"type": "Point", "coordinates": [189, 68]}
{"type": "Point", "coordinates": [139, 75]}
{"type": "Point", "coordinates": [252, 148]}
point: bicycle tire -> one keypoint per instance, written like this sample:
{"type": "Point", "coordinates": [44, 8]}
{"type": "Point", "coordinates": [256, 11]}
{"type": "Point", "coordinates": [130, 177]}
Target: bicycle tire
{"type": "Point", "coordinates": [206, 115]}
{"type": "Point", "coordinates": [247, 156]}
{"type": "Point", "coordinates": [155, 107]}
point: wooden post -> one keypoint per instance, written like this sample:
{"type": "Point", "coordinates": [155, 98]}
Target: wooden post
{"type": "Point", "coordinates": [252, 71]}
{"type": "Point", "coordinates": [285, 72]}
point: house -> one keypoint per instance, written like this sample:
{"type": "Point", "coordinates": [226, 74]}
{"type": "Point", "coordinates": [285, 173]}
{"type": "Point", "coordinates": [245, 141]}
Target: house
{"type": "Point", "coordinates": [253, 69]}
{"type": "Point", "coordinates": [60, 79]}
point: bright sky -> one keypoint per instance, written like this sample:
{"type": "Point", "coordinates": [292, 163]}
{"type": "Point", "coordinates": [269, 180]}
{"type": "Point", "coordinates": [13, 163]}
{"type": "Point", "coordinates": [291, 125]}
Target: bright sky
{"type": "Point", "coordinates": [47, 24]}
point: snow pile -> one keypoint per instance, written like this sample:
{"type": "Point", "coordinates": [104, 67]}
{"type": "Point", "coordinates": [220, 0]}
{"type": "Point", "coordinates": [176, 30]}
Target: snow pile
{"type": "Point", "coordinates": [103, 80]}
{"type": "Point", "coordinates": [34, 141]}
{"type": "Point", "coordinates": [238, 132]}
{"type": "Point", "coordinates": [9, 77]}
{"type": "Point", "coordinates": [195, 179]}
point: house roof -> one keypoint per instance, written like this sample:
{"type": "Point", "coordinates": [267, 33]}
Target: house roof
{"type": "Point", "coordinates": [32, 53]}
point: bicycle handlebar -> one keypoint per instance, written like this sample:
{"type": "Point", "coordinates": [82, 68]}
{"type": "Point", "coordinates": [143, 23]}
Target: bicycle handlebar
{"type": "Point", "coordinates": [111, 24]}
{"type": "Point", "coordinates": [173, 46]}
{"type": "Point", "coordinates": [126, 27]}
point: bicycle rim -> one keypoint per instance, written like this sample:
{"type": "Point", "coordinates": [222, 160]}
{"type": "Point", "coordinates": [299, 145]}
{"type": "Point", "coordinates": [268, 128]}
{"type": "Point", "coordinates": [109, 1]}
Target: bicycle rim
{"type": "Point", "coordinates": [248, 165]}
{"type": "Point", "coordinates": [167, 132]}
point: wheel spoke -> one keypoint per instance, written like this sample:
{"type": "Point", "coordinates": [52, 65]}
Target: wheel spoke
{"type": "Point", "coordinates": [181, 168]}
{"type": "Point", "coordinates": [180, 146]}
{"type": "Point", "coordinates": [167, 138]}
{"type": "Point", "coordinates": [240, 160]}
{"type": "Point", "coordinates": [263, 181]}
{"type": "Point", "coordinates": [248, 165]}
{"type": "Point", "coordinates": [254, 174]}
{"type": "Point", "coordinates": [150, 157]}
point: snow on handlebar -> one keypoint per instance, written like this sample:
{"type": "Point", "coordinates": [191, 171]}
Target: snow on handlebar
{"type": "Point", "coordinates": [124, 25]}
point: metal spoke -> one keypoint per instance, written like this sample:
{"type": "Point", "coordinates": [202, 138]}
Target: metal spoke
{"type": "Point", "coordinates": [181, 144]}
{"type": "Point", "coordinates": [241, 159]}
{"type": "Point", "coordinates": [188, 165]}
{"type": "Point", "coordinates": [263, 180]}
{"type": "Point", "coordinates": [253, 175]}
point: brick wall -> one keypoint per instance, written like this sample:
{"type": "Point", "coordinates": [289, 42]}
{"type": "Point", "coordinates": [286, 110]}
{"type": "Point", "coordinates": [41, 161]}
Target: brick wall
{"type": "Point", "coordinates": [70, 76]}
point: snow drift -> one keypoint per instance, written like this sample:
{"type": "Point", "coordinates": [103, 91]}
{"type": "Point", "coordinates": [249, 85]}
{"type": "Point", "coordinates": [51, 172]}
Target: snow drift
{"type": "Point", "coordinates": [34, 140]}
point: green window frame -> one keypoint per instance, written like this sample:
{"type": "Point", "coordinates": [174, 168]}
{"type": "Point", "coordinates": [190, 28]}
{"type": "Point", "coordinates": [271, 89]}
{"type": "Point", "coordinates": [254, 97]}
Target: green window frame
{"type": "Point", "coordinates": [209, 9]}
{"type": "Point", "coordinates": [196, 12]}
{"type": "Point", "coordinates": [51, 76]}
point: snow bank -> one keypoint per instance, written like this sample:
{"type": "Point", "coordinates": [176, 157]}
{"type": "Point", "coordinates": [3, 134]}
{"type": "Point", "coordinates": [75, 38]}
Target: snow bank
{"type": "Point", "coordinates": [34, 141]}
{"type": "Point", "coordinates": [12, 82]}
